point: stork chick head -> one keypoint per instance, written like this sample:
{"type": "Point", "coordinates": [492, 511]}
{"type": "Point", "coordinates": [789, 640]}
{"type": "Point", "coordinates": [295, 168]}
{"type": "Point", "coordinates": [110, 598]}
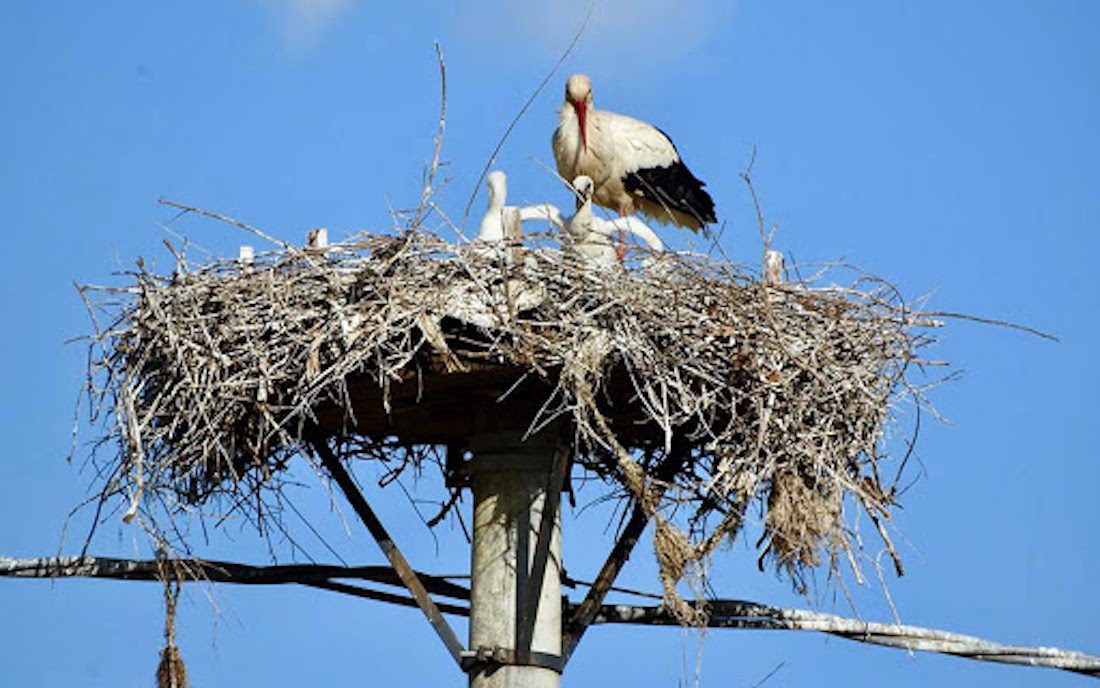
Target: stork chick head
{"type": "Point", "coordinates": [498, 187]}
{"type": "Point", "coordinates": [578, 93]}
{"type": "Point", "coordinates": [583, 186]}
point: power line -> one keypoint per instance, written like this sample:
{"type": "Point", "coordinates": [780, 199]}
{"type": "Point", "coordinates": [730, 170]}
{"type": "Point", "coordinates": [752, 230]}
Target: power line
{"type": "Point", "coordinates": [722, 613]}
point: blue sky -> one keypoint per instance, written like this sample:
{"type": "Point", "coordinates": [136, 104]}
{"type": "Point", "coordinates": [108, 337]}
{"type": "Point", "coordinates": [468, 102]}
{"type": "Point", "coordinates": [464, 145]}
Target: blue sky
{"type": "Point", "coordinates": [948, 146]}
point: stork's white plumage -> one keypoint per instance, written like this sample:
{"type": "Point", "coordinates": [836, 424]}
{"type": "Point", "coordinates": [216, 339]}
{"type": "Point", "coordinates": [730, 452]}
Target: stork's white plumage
{"type": "Point", "coordinates": [501, 222]}
{"type": "Point", "coordinates": [634, 165]}
{"type": "Point", "coordinates": [773, 268]}
{"type": "Point", "coordinates": [541, 211]}
{"type": "Point", "coordinates": [591, 236]}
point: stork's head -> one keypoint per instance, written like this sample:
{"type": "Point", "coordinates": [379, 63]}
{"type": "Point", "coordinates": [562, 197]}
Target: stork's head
{"type": "Point", "coordinates": [498, 187]}
{"type": "Point", "coordinates": [583, 187]}
{"type": "Point", "coordinates": [578, 93]}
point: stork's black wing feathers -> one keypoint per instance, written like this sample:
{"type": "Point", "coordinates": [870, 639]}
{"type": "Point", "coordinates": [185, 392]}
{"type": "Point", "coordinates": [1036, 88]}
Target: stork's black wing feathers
{"type": "Point", "coordinates": [673, 187]}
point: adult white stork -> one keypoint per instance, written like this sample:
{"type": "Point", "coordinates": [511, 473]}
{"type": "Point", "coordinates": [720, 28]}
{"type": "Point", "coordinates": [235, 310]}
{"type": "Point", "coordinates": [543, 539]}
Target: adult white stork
{"type": "Point", "coordinates": [634, 165]}
{"type": "Point", "coordinates": [591, 236]}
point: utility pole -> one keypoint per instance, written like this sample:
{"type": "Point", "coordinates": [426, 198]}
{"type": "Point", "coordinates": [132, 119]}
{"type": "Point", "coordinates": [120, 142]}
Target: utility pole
{"type": "Point", "coordinates": [515, 601]}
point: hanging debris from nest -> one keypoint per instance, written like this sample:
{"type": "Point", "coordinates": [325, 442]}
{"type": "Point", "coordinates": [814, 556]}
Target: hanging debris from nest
{"type": "Point", "coordinates": [171, 672]}
{"type": "Point", "coordinates": [206, 379]}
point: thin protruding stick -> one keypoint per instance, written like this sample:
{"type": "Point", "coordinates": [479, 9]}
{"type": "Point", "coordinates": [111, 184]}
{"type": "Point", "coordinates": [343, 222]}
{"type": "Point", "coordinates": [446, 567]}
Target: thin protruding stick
{"type": "Point", "coordinates": [429, 179]}
{"type": "Point", "coordinates": [231, 221]}
{"type": "Point", "coordinates": [523, 110]}
{"type": "Point", "coordinates": [992, 321]}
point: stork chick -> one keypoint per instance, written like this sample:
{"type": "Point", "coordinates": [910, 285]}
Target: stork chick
{"type": "Point", "coordinates": [501, 222]}
{"type": "Point", "coordinates": [591, 236]}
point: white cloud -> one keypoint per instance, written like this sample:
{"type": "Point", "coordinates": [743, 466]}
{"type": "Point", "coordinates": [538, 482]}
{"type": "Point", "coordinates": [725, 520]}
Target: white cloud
{"type": "Point", "coordinates": [304, 22]}
{"type": "Point", "coordinates": [644, 31]}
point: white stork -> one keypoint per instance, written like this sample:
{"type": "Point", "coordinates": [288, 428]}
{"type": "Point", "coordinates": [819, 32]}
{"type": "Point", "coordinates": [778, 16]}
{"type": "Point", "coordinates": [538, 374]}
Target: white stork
{"type": "Point", "coordinates": [591, 235]}
{"type": "Point", "coordinates": [501, 222]}
{"type": "Point", "coordinates": [634, 165]}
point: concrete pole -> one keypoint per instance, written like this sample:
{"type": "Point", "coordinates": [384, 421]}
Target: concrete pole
{"type": "Point", "coordinates": [508, 612]}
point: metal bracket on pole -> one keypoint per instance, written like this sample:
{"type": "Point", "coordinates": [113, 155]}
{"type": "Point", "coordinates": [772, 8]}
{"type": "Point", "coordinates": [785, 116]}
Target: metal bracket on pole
{"type": "Point", "coordinates": [490, 658]}
{"type": "Point", "coordinates": [405, 572]}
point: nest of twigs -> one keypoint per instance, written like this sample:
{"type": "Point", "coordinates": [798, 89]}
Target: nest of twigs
{"type": "Point", "coordinates": [687, 384]}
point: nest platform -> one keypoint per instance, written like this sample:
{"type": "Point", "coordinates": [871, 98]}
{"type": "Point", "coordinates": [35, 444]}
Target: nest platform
{"type": "Point", "coordinates": [780, 395]}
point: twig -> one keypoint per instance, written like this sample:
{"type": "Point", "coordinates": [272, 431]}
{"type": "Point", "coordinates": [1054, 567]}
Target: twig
{"type": "Point", "coordinates": [523, 110]}
{"type": "Point", "coordinates": [429, 182]}
{"type": "Point", "coordinates": [768, 675]}
{"type": "Point", "coordinates": [991, 321]}
{"type": "Point", "coordinates": [746, 175]}
{"type": "Point", "coordinates": [232, 221]}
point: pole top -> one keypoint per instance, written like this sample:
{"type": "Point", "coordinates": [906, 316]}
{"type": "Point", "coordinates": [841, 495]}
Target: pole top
{"type": "Point", "coordinates": [512, 451]}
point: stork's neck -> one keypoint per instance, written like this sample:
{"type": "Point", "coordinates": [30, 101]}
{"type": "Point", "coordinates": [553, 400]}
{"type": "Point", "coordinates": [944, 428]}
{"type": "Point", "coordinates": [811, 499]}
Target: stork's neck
{"type": "Point", "coordinates": [492, 223]}
{"type": "Point", "coordinates": [496, 200]}
{"type": "Point", "coordinates": [566, 115]}
{"type": "Point", "coordinates": [581, 225]}
{"type": "Point", "coordinates": [567, 118]}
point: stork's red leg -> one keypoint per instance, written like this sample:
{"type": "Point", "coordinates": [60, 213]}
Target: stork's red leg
{"type": "Point", "coordinates": [620, 249]}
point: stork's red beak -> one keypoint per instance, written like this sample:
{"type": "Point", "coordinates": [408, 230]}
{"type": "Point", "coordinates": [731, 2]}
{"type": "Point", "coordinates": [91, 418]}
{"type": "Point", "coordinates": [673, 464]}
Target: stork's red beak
{"type": "Point", "coordinates": [579, 106]}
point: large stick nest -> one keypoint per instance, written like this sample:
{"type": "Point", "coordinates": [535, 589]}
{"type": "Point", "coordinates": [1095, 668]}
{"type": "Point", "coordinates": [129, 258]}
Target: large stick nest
{"type": "Point", "coordinates": [687, 384]}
